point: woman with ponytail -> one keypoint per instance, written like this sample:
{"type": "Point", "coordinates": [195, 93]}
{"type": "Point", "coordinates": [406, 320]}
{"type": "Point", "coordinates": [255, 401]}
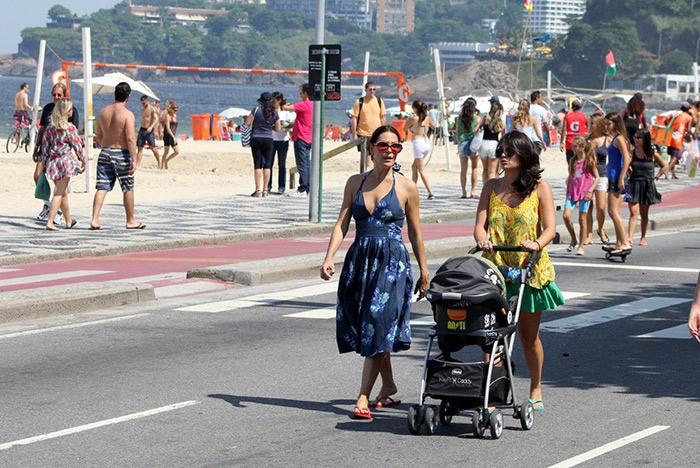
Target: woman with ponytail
{"type": "Point", "coordinates": [467, 123]}
{"type": "Point", "coordinates": [518, 210]}
{"type": "Point", "coordinates": [418, 124]}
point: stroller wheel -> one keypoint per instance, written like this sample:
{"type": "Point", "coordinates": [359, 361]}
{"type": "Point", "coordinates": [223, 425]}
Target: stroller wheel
{"type": "Point", "coordinates": [477, 424]}
{"type": "Point", "coordinates": [526, 416]}
{"type": "Point", "coordinates": [432, 420]}
{"type": "Point", "coordinates": [416, 413]}
{"type": "Point", "coordinates": [446, 412]}
{"type": "Point", "coordinates": [496, 424]}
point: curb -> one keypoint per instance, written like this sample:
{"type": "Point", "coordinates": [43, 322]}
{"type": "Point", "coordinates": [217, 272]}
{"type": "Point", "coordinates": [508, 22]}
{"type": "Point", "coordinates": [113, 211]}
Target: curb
{"type": "Point", "coordinates": [70, 299]}
{"type": "Point", "coordinates": [307, 266]}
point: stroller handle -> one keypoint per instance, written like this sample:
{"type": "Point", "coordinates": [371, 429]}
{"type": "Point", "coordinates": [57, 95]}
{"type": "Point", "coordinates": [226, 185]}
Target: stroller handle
{"type": "Point", "coordinates": [534, 254]}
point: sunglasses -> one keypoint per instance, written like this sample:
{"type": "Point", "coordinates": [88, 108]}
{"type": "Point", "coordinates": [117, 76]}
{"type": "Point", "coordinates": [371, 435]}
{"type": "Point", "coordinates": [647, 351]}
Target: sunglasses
{"type": "Point", "coordinates": [508, 152]}
{"type": "Point", "coordinates": [371, 89]}
{"type": "Point", "coordinates": [384, 146]}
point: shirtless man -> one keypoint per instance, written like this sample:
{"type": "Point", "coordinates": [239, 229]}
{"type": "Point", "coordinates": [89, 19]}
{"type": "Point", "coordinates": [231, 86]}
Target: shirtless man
{"type": "Point", "coordinates": [22, 106]}
{"type": "Point", "coordinates": [149, 120]}
{"type": "Point", "coordinates": [115, 133]}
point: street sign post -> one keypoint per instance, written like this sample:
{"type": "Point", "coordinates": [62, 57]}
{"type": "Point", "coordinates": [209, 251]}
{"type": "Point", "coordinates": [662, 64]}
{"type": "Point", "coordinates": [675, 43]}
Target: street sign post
{"type": "Point", "coordinates": [333, 58]}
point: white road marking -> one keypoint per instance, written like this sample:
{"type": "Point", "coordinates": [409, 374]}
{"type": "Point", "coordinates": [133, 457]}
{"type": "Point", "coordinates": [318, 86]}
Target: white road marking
{"type": "Point", "coordinates": [183, 289]}
{"type": "Point", "coordinates": [95, 425]}
{"type": "Point", "coordinates": [610, 265]}
{"type": "Point", "coordinates": [4, 270]}
{"type": "Point", "coordinates": [51, 277]}
{"type": "Point", "coordinates": [568, 295]}
{"type": "Point", "coordinates": [679, 332]}
{"type": "Point", "coordinates": [263, 299]}
{"type": "Point", "coordinates": [67, 327]}
{"type": "Point", "coordinates": [148, 279]}
{"type": "Point", "coordinates": [627, 309]}
{"type": "Point", "coordinates": [609, 447]}
{"type": "Point", "coordinates": [325, 313]}
{"type": "Point", "coordinates": [426, 320]}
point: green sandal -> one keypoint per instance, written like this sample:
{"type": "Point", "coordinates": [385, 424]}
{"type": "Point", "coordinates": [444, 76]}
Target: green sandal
{"type": "Point", "coordinates": [534, 402]}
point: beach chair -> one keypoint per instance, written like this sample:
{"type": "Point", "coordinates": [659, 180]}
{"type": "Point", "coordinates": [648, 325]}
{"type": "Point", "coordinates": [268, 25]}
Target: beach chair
{"type": "Point", "coordinates": [327, 133]}
{"type": "Point", "coordinates": [224, 131]}
{"type": "Point", "coordinates": [335, 134]}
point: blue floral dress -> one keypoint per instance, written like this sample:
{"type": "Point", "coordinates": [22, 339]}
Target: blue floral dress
{"type": "Point", "coordinates": [374, 294]}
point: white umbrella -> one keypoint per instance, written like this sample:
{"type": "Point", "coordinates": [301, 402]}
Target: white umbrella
{"type": "Point", "coordinates": [107, 83]}
{"type": "Point", "coordinates": [233, 112]}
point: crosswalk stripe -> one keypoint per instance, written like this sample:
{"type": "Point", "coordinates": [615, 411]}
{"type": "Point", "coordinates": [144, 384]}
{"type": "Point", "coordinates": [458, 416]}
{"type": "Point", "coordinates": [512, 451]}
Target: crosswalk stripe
{"type": "Point", "coordinates": [596, 317]}
{"type": "Point", "coordinates": [325, 313]}
{"type": "Point", "coordinates": [52, 277]}
{"type": "Point", "coordinates": [149, 278]}
{"type": "Point", "coordinates": [184, 289]}
{"type": "Point", "coordinates": [426, 320]}
{"type": "Point", "coordinates": [679, 332]}
{"type": "Point", "coordinates": [610, 265]}
{"type": "Point", "coordinates": [8, 270]}
{"type": "Point", "coordinates": [568, 295]}
{"type": "Point", "coordinates": [262, 299]}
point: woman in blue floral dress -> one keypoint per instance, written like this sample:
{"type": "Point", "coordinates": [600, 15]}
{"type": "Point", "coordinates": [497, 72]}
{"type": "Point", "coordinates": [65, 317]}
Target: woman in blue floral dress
{"type": "Point", "coordinates": [374, 291]}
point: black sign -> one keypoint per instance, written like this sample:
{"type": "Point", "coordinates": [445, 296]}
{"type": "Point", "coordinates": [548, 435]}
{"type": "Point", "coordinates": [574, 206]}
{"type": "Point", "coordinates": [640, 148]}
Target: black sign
{"type": "Point", "coordinates": [333, 63]}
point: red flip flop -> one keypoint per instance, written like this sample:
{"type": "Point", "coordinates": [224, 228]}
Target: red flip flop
{"type": "Point", "coordinates": [362, 413]}
{"type": "Point", "coordinates": [384, 402]}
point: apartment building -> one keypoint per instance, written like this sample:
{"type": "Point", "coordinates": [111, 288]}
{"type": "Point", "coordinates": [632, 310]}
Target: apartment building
{"type": "Point", "coordinates": [548, 16]}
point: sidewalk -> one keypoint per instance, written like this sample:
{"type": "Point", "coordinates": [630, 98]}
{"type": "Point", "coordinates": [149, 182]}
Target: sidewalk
{"type": "Point", "coordinates": [239, 219]}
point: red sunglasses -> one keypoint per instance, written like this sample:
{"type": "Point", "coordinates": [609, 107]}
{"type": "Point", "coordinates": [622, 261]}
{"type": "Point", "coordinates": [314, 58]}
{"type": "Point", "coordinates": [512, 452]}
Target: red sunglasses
{"type": "Point", "coordinates": [394, 147]}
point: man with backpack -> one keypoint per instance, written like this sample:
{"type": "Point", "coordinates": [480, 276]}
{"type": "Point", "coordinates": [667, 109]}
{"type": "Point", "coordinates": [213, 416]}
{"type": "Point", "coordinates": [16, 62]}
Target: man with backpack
{"type": "Point", "coordinates": [367, 115]}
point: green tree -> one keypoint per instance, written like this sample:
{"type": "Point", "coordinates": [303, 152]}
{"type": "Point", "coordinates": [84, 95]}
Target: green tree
{"type": "Point", "coordinates": [59, 11]}
{"type": "Point", "coordinates": [676, 62]}
{"type": "Point", "coordinates": [218, 25]}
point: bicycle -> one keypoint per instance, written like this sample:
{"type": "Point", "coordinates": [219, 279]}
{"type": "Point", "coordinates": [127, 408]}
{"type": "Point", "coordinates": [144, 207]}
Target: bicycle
{"type": "Point", "coordinates": [20, 136]}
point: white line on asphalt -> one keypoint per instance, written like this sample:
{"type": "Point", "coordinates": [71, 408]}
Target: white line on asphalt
{"type": "Point", "coordinates": [610, 265]}
{"type": "Point", "coordinates": [325, 313]}
{"type": "Point", "coordinates": [679, 332]}
{"type": "Point", "coordinates": [568, 295]}
{"type": "Point", "coordinates": [425, 320]}
{"type": "Point", "coordinates": [627, 309]}
{"type": "Point", "coordinates": [609, 447]}
{"type": "Point", "coordinates": [184, 289]}
{"type": "Point", "coordinates": [4, 270]}
{"type": "Point", "coordinates": [51, 277]}
{"type": "Point", "coordinates": [74, 325]}
{"type": "Point", "coordinates": [263, 299]}
{"type": "Point", "coordinates": [95, 425]}
{"type": "Point", "coordinates": [148, 279]}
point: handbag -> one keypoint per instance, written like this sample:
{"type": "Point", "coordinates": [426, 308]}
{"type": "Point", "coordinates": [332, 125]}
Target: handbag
{"type": "Point", "coordinates": [478, 139]}
{"type": "Point", "coordinates": [42, 190]}
{"type": "Point", "coordinates": [662, 132]}
{"type": "Point", "coordinates": [246, 131]}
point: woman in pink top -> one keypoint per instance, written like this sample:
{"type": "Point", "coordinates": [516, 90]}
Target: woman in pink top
{"type": "Point", "coordinates": [582, 180]}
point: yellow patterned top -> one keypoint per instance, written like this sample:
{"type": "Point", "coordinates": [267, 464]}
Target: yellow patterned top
{"type": "Point", "coordinates": [511, 226]}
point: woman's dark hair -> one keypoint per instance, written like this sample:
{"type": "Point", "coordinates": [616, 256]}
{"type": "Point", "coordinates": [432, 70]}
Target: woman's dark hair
{"type": "Point", "coordinates": [276, 95]}
{"type": "Point", "coordinates": [384, 129]}
{"type": "Point", "coordinates": [646, 143]}
{"type": "Point", "coordinates": [636, 106]}
{"type": "Point", "coordinates": [267, 104]}
{"type": "Point", "coordinates": [529, 156]}
{"type": "Point", "coordinates": [421, 109]}
{"type": "Point", "coordinates": [467, 114]}
{"type": "Point", "coordinates": [618, 124]}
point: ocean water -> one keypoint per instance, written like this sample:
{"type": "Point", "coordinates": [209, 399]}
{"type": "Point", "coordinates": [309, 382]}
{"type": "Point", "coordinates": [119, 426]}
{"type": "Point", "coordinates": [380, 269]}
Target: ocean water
{"type": "Point", "coordinates": [192, 99]}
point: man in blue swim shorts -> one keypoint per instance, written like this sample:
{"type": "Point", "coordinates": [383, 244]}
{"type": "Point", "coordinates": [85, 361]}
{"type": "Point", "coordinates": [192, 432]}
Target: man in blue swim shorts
{"type": "Point", "coordinates": [147, 133]}
{"type": "Point", "coordinates": [116, 135]}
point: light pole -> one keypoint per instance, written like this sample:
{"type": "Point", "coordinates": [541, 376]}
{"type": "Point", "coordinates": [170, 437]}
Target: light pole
{"type": "Point", "coordinates": [696, 49]}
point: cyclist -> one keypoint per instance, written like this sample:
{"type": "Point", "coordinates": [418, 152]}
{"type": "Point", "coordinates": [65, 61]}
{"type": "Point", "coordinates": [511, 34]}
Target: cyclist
{"type": "Point", "coordinates": [22, 107]}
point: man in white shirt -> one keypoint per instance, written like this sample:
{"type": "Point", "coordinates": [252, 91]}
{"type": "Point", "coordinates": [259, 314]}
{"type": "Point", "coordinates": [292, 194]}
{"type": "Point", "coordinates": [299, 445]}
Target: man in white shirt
{"type": "Point", "coordinates": [540, 113]}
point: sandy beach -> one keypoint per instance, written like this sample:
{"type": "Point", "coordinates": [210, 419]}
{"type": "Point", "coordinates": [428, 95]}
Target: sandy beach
{"type": "Point", "coordinates": [213, 169]}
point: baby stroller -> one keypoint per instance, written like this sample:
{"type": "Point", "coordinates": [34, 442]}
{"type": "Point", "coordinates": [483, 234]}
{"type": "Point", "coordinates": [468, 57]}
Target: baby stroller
{"type": "Point", "coordinates": [469, 305]}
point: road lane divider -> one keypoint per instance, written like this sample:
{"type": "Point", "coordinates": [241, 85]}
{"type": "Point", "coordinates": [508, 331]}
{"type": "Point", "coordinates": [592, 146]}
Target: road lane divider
{"type": "Point", "coordinates": [609, 447]}
{"type": "Point", "coordinates": [608, 314]}
{"type": "Point", "coordinates": [73, 325]}
{"type": "Point", "coordinates": [98, 424]}
{"type": "Point", "coordinates": [51, 277]}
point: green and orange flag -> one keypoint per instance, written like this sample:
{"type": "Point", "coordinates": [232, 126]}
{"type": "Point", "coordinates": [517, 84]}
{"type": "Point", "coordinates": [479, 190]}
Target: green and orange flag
{"type": "Point", "coordinates": [611, 68]}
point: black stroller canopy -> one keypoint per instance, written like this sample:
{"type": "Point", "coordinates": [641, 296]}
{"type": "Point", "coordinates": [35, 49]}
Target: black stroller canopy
{"type": "Point", "coordinates": [468, 274]}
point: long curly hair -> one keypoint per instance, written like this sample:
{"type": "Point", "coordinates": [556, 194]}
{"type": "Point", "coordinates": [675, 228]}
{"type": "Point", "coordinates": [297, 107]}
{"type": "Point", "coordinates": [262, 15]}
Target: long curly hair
{"type": "Point", "coordinates": [523, 115]}
{"type": "Point", "coordinates": [589, 158]}
{"type": "Point", "coordinates": [59, 116]}
{"type": "Point", "coordinates": [468, 113]}
{"type": "Point", "coordinates": [530, 171]}
{"type": "Point", "coordinates": [495, 118]}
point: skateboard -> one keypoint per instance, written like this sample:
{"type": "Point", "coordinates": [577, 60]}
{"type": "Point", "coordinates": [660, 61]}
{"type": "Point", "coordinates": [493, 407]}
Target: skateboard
{"type": "Point", "coordinates": [622, 255]}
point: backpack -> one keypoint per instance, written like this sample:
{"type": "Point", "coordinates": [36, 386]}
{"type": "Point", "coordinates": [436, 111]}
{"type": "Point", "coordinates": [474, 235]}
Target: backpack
{"type": "Point", "coordinates": [632, 123]}
{"type": "Point", "coordinates": [359, 113]}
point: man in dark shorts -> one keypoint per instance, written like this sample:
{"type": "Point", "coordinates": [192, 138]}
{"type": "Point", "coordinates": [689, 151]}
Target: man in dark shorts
{"type": "Point", "coordinates": [149, 119]}
{"type": "Point", "coordinates": [22, 106]}
{"type": "Point", "coordinates": [115, 133]}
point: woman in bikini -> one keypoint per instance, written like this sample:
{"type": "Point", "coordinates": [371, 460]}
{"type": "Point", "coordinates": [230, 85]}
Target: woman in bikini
{"type": "Point", "coordinates": [418, 124]}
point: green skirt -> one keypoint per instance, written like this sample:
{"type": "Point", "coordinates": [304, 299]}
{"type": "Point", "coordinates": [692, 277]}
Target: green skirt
{"type": "Point", "coordinates": [534, 299]}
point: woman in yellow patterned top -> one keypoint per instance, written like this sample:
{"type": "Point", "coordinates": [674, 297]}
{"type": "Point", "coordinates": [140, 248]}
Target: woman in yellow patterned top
{"type": "Point", "coordinates": [518, 210]}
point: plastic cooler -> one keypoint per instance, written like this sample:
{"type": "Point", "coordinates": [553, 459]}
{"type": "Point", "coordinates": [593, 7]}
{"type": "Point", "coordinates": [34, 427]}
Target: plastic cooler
{"type": "Point", "coordinates": [200, 126]}
{"type": "Point", "coordinates": [399, 125]}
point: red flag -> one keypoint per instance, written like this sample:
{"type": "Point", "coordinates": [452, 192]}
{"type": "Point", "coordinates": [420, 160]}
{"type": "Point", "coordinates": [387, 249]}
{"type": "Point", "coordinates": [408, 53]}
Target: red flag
{"type": "Point", "coordinates": [610, 59]}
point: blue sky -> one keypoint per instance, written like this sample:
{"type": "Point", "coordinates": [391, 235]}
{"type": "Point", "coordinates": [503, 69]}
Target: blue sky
{"type": "Point", "coordinates": [20, 14]}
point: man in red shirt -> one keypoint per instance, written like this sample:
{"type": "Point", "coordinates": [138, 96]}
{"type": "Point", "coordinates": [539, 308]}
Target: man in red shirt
{"type": "Point", "coordinates": [301, 136]}
{"type": "Point", "coordinates": [680, 125]}
{"type": "Point", "coordinates": [575, 124]}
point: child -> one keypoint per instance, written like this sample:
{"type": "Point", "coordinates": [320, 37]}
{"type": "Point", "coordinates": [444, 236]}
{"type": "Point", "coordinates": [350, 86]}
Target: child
{"type": "Point", "coordinates": [582, 180]}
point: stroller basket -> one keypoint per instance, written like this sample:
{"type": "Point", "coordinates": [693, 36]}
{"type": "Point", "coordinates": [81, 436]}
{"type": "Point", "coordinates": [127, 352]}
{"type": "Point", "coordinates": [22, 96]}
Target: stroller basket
{"type": "Point", "coordinates": [464, 383]}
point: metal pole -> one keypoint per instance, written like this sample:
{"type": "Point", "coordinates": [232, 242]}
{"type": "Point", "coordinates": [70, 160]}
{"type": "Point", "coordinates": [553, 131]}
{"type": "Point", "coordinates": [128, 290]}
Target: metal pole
{"type": "Point", "coordinates": [695, 79]}
{"type": "Point", "coordinates": [37, 95]}
{"type": "Point", "coordinates": [320, 150]}
{"type": "Point", "coordinates": [316, 142]}
{"type": "Point", "coordinates": [87, 99]}
{"type": "Point", "coordinates": [605, 78]}
{"type": "Point", "coordinates": [443, 117]}
{"type": "Point", "coordinates": [365, 78]}
{"type": "Point", "coordinates": [549, 88]}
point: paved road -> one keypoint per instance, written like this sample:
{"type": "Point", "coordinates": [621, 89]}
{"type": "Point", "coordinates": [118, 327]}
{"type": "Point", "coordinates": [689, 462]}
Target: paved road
{"type": "Point", "coordinates": [252, 385]}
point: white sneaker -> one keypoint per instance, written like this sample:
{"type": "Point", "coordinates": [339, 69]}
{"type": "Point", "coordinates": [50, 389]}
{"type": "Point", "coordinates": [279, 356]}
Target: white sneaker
{"type": "Point", "coordinates": [59, 219]}
{"type": "Point", "coordinates": [44, 215]}
{"type": "Point", "coordinates": [297, 194]}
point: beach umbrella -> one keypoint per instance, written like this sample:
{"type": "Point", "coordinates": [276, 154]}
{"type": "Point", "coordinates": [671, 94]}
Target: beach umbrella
{"type": "Point", "coordinates": [106, 84]}
{"type": "Point", "coordinates": [233, 112]}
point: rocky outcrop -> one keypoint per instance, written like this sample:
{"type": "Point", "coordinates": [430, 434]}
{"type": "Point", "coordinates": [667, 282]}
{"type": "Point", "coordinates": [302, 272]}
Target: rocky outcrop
{"type": "Point", "coordinates": [14, 65]}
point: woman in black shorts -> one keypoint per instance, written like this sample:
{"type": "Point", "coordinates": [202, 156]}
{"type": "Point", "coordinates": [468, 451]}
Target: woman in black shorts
{"type": "Point", "coordinates": [169, 135]}
{"type": "Point", "coordinates": [263, 119]}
